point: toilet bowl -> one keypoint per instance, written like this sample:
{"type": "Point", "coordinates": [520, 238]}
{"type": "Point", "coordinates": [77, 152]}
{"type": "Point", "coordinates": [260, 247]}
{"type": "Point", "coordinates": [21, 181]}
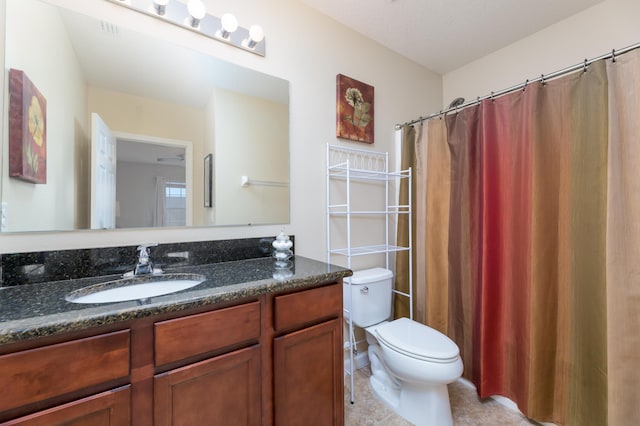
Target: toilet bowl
{"type": "Point", "coordinates": [419, 361]}
{"type": "Point", "coordinates": [411, 363]}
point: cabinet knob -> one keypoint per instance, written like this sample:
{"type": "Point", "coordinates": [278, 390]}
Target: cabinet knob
{"type": "Point", "coordinates": [364, 290]}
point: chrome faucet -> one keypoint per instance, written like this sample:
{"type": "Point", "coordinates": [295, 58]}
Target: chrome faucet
{"type": "Point", "coordinates": [144, 265]}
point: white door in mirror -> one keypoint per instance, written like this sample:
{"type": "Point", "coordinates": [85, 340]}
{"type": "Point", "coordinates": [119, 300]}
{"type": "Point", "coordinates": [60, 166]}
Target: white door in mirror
{"type": "Point", "coordinates": [103, 175]}
{"type": "Point", "coordinates": [4, 226]}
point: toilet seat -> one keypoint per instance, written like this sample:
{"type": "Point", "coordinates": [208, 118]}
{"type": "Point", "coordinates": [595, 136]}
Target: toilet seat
{"type": "Point", "coordinates": [417, 341]}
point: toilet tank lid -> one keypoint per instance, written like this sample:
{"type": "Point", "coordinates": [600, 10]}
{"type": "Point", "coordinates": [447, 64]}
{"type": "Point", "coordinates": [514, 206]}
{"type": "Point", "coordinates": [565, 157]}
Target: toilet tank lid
{"type": "Point", "coordinates": [367, 276]}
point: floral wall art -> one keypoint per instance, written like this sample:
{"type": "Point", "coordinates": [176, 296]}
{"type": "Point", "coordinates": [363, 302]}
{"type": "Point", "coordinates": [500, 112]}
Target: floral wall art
{"type": "Point", "coordinates": [354, 109]}
{"type": "Point", "coordinates": [27, 129]}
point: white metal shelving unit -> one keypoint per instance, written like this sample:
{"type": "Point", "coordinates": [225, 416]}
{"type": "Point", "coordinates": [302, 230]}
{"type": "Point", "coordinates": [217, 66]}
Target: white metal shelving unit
{"type": "Point", "coordinates": [350, 165]}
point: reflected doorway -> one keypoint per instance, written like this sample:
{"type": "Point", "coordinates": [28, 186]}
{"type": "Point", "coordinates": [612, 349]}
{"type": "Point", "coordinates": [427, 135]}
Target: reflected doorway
{"type": "Point", "coordinates": [150, 184]}
{"type": "Point", "coordinates": [151, 188]}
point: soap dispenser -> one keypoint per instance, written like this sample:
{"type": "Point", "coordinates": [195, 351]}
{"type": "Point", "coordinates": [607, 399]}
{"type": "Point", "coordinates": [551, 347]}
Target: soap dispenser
{"type": "Point", "coordinates": [282, 250]}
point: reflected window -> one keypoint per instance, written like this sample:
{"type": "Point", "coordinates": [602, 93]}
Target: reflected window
{"type": "Point", "coordinates": [175, 203]}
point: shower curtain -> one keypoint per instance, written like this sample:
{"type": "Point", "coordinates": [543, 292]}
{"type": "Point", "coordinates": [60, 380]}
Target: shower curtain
{"type": "Point", "coordinates": [528, 234]}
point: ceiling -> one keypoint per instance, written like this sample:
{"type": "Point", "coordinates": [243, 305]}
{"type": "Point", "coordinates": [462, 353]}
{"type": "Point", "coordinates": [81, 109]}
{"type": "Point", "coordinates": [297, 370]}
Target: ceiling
{"type": "Point", "coordinates": [443, 35]}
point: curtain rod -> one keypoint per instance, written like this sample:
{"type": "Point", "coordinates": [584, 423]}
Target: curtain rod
{"type": "Point", "coordinates": [542, 78]}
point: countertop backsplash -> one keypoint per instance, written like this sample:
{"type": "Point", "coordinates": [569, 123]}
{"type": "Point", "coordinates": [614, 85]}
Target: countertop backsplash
{"type": "Point", "coordinates": [37, 267]}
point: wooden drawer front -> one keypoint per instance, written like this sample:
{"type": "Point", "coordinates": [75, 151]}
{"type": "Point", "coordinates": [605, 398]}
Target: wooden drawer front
{"type": "Point", "coordinates": [297, 309]}
{"type": "Point", "coordinates": [111, 408]}
{"type": "Point", "coordinates": [42, 373]}
{"type": "Point", "coordinates": [182, 338]}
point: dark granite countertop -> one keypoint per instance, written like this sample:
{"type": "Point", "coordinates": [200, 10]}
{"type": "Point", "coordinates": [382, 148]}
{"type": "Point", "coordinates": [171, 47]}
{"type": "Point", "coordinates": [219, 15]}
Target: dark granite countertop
{"type": "Point", "coordinates": [36, 310]}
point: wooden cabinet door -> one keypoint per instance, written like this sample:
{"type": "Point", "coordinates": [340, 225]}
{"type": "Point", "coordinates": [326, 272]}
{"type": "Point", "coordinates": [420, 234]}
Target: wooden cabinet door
{"type": "Point", "coordinates": [111, 408]}
{"type": "Point", "coordinates": [224, 390]}
{"type": "Point", "coordinates": [308, 376]}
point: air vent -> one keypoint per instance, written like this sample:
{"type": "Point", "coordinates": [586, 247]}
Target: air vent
{"type": "Point", "coordinates": [109, 28]}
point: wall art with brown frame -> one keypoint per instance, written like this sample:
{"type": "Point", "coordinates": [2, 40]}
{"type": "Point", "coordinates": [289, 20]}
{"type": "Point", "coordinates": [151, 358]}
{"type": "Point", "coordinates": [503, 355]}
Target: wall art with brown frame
{"type": "Point", "coordinates": [354, 109]}
{"type": "Point", "coordinates": [27, 129]}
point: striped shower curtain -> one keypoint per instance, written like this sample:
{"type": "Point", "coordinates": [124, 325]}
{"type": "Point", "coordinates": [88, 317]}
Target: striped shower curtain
{"type": "Point", "coordinates": [528, 242]}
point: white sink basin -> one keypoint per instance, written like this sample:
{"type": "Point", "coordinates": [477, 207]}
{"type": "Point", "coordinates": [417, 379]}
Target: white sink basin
{"type": "Point", "coordinates": [135, 288]}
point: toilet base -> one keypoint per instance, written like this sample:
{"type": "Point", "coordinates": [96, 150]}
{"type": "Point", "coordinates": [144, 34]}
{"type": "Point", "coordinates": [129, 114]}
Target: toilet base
{"type": "Point", "coordinates": [423, 404]}
{"type": "Point", "coordinates": [386, 392]}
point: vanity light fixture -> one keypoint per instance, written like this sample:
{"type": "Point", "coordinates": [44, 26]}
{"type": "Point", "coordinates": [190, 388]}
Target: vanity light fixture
{"type": "Point", "coordinates": [192, 15]}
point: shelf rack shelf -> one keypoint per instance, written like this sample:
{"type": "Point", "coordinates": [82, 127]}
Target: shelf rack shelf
{"type": "Point", "coordinates": [365, 250]}
{"type": "Point", "coordinates": [350, 165]}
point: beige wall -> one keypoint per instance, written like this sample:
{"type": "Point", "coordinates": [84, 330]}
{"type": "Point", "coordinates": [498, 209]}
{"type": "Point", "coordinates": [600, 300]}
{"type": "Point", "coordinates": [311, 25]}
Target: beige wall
{"type": "Point", "coordinates": [612, 24]}
{"type": "Point", "coordinates": [307, 49]}
{"type": "Point", "coordinates": [66, 122]}
{"type": "Point", "coordinates": [252, 136]}
{"type": "Point", "coordinates": [127, 113]}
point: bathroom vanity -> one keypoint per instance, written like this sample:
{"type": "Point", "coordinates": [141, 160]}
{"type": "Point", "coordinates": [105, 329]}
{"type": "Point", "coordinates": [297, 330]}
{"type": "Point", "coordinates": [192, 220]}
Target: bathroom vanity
{"type": "Point", "coordinates": [242, 347]}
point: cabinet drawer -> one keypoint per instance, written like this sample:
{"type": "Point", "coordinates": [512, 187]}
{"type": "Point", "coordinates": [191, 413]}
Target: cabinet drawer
{"type": "Point", "coordinates": [182, 338]}
{"type": "Point", "coordinates": [304, 307]}
{"type": "Point", "coordinates": [49, 371]}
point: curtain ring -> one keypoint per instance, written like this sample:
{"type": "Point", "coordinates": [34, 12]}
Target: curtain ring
{"type": "Point", "coordinates": [421, 120]}
{"type": "Point", "coordinates": [478, 100]}
{"type": "Point", "coordinates": [613, 55]}
{"type": "Point", "coordinates": [585, 66]}
{"type": "Point", "coordinates": [542, 79]}
{"type": "Point", "coordinates": [492, 98]}
{"type": "Point", "coordinates": [525, 85]}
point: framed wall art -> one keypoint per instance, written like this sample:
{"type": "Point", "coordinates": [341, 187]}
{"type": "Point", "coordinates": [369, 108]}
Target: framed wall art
{"type": "Point", "coordinates": [208, 180]}
{"type": "Point", "coordinates": [354, 109]}
{"type": "Point", "coordinates": [27, 129]}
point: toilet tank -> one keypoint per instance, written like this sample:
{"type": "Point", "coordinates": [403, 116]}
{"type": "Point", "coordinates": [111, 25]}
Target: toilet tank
{"type": "Point", "coordinates": [369, 295]}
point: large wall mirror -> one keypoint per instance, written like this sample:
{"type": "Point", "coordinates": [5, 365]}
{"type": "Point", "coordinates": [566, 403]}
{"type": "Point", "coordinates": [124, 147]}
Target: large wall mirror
{"type": "Point", "coordinates": [139, 132]}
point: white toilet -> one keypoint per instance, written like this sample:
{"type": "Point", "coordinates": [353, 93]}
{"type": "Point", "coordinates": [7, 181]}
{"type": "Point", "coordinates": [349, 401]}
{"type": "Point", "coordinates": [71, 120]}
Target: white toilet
{"type": "Point", "coordinates": [411, 363]}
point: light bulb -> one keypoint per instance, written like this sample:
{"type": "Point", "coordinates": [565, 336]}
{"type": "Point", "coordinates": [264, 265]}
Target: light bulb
{"type": "Point", "coordinates": [197, 11]}
{"type": "Point", "coordinates": [229, 25]}
{"type": "Point", "coordinates": [161, 6]}
{"type": "Point", "coordinates": [229, 22]}
{"type": "Point", "coordinates": [256, 35]}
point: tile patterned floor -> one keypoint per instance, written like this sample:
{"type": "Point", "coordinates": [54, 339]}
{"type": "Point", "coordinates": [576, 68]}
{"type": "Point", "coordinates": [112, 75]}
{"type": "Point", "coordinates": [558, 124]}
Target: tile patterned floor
{"type": "Point", "coordinates": [467, 409]}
